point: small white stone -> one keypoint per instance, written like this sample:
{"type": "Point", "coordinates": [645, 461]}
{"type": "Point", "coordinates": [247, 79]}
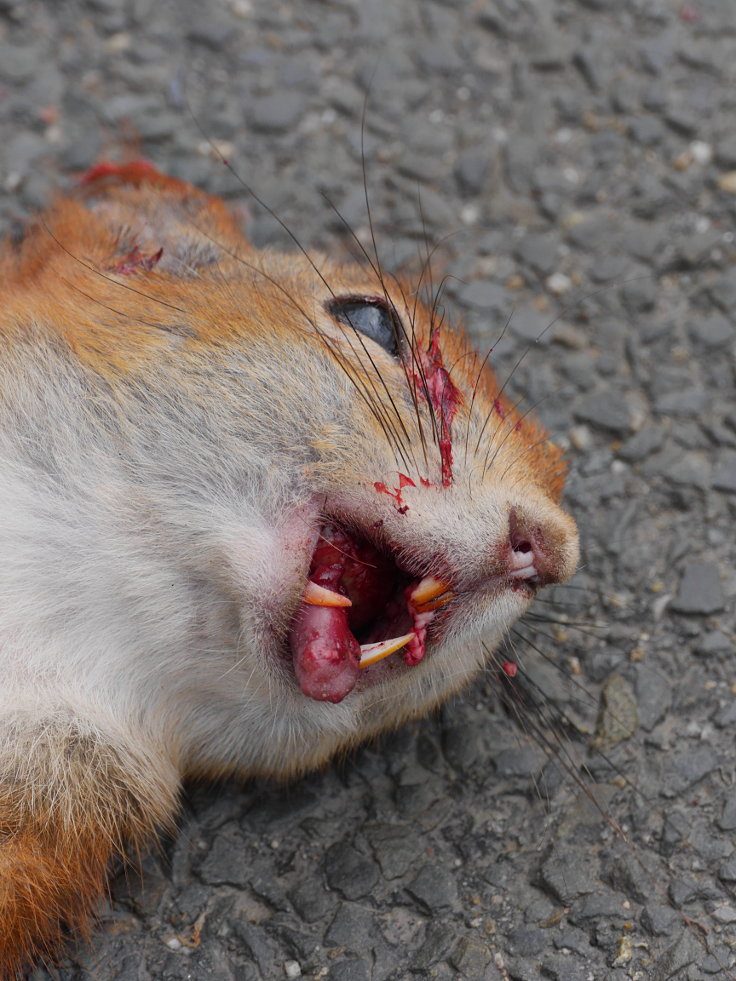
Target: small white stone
{"type": "Point", "coordinates": [563, 135]}
{"type": "Point", "coordinates": [216, 149]}
{"type": "Point", "coordinates": [701, 152]}
{"type": "Point", "coordinates": [118, 42]}
{"type": "Point", "coordinates": [53, 133]}
{"type": "Point", "coordinates": [558, 283]}
{"type": "Point", "coordinates": [469, 214]}
{"type": "Point", "coordinates": [173, 943]}
{"type": "Point", "coordinates": [292, 969]}
{"type": "Point", "coordinates": [725, 914]}
{"type": "Point", "coordinates": [580, 437]}
{"type": "Point", "coordinates": [660, 605]}
{"type": "Point", "coordinates": [727, 182]}
{"type": "Point", "coordinates": [702, 224]}
{"type": "Point", "coordinates": [241, 8]}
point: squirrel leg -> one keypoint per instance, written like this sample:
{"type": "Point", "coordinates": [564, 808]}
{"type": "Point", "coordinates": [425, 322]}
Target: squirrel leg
{"type": "Point", "coordinates": [74, 791]}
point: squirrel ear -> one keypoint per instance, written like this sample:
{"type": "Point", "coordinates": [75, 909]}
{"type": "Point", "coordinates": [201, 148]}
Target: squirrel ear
{"type": "Point", "coordinates": [159, 221]}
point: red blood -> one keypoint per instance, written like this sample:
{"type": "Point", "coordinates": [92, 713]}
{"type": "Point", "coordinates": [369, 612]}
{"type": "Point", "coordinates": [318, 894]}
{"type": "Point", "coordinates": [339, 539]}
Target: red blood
{"type": "Point", "coordinates": [136, 260]}
{"type": "Point", "coordinates": [446, 457]}
{"type": "Point", "coordinates": [365, 575]}
{"type": "Point", "coordinates": [510, 669]}
{"type": "Point", "coordinates": [499, 409]}
{"type": "Point", "coordinates": [435, 385]}
{"type": "Point", "coordinates": [417, 647]}
{"type": "Point", "coordinates": [136, 172]}
{"type": "Point", "coordinates": [404, 481]}
{"type": "Point", "coordinates": [425, 483]}
{"type": "Point", "coordinates": [383, 489]}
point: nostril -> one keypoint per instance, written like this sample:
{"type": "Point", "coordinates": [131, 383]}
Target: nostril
{"type": "Point", "coordinates": [542, 546]}
{"type": "Point", "coordinates": [526, 558]}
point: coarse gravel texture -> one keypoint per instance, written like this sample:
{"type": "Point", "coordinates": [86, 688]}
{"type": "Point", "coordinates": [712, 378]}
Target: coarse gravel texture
{"type": "Point", "coordinates": [574, 163]}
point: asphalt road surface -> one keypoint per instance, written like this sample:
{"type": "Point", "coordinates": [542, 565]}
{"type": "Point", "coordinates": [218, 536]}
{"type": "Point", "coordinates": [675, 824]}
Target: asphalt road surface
{"type": "Point", "coordinates": [572, 161]}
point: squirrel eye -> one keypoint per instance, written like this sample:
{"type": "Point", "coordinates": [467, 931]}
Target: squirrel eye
{"type": "Point", "coordinates": [372, 317]}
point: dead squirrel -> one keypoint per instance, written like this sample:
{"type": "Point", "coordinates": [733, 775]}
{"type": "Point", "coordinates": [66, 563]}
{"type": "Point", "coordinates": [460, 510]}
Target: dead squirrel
{"type": "Point", "coordinates": [255, 508]}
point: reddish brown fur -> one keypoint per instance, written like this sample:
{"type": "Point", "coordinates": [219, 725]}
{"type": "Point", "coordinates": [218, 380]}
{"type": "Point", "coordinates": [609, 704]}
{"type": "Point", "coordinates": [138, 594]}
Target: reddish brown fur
{"type": "Point", "coordinates": [49, 880]}
{"type": "Point", "coordinates": [55, 853]}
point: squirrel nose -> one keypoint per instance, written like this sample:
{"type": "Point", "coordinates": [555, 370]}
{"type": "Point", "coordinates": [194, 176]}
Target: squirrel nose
{"type": "Point", "coordinates": [542, 545]}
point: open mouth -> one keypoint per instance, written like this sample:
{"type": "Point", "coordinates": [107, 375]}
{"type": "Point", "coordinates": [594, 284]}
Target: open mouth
{"type": "Point", "coordinates": [358, 607]}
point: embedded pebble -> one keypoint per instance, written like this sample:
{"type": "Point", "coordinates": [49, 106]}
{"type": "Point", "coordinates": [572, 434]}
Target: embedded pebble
{"type": "Point", "coordinates": [724, 475]}
{"type": "Point", "coordinates": [726, 152]}
{"type": "Point", "coordinates": [727, 182]}
{"type": "Point", "coordinates": [607, 409]}
{"type": "Point", "coordinates": [567, 875]}
{"type": "Point", "coordinates": [433, 889]}
{"type": "Point", "coordinates": [350, 872]}
{"type": "Point", "coordinates": [699, 591]}
{"type": "Point", "coordinates": [473, 960]}
{"type": "Point", "coordinates": [558, 283]}
{"type": "Point", "coordinates": [702, 153]}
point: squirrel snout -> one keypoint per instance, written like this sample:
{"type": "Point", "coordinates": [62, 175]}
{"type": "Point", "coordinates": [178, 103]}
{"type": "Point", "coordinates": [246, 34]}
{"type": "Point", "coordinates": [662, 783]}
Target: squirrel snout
{"type": "Point", "coordinates": [542, 547]}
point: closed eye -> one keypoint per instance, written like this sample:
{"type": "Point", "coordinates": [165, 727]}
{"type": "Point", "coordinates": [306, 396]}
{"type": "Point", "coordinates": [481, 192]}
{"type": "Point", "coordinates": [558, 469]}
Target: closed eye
{"type": "Point", "coordinates": [371, 316]}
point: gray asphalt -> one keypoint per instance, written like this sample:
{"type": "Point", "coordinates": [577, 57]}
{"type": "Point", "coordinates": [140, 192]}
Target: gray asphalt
{"type": "Point", "coordinates": [574, 161]}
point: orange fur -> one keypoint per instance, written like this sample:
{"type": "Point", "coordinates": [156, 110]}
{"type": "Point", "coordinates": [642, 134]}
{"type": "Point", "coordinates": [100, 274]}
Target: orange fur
{"type": "Point", "coordinates": [49, 881]}
{"type": "Point", "coordinates": [76, 801]}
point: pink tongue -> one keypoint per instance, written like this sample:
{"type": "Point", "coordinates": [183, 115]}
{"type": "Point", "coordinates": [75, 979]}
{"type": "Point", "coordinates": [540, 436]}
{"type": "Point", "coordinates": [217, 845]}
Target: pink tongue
{"type": "Point", "coordinates": [325, 652]}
